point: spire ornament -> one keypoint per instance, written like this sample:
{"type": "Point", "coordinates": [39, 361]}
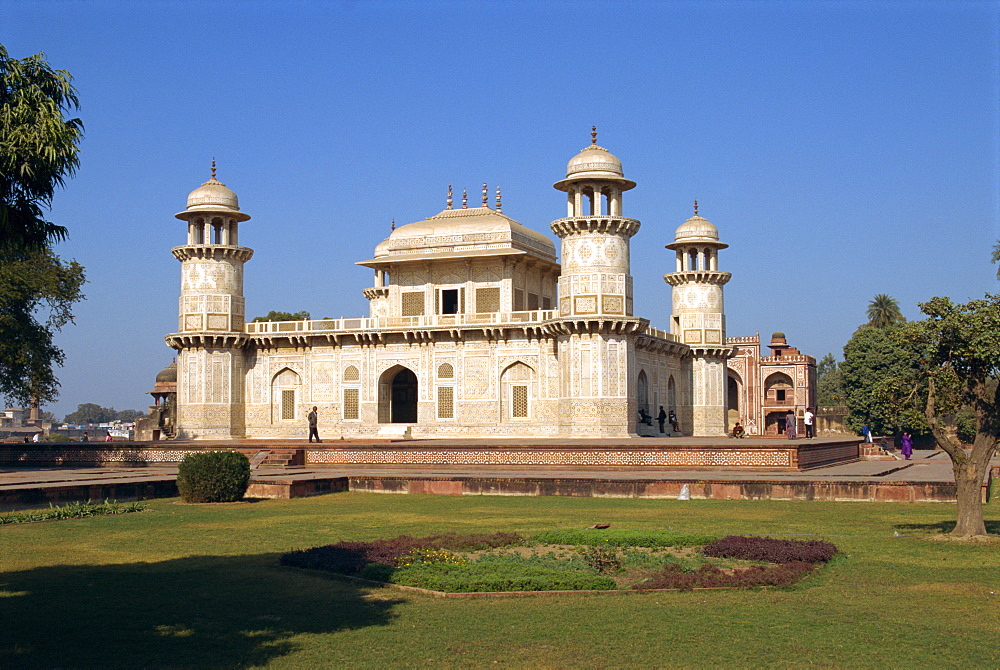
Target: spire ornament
{"type": "Point", "coordinates": [392, 227]}
{"type": "Point", "coordinates": [449, 198]}
{"type": "Point", "coordinates": [499, 206]}
{"type": "Point", "coordinates": [696, 208]}
{"type": "Point", "coordinates": [486, 196]}
{"type": "Point", "coordinates": [213, 167]}
{"type": "Point", "coordinates": [593, 135]}
{"type": "Point", "coordinates": [465, 198]}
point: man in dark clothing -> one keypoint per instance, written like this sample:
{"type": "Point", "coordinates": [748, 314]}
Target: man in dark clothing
{"type": "Point", "coordinates": [661, 419]}
{"type": "Point", "coordinates": [313, 420]}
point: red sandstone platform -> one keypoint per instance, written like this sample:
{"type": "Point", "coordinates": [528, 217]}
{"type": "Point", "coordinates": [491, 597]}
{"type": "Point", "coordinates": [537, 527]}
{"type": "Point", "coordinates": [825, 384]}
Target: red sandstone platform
{"type": "Point", "coordinates": [679, 452]}
{"type": "Point", "coordinates": [927, 478]}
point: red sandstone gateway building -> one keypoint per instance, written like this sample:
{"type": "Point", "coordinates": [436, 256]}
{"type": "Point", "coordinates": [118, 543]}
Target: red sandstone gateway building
{"type": "Point", "coordinates": [761, 390]}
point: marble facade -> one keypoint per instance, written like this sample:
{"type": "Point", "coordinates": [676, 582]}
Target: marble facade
{"type": "Point", "coordinates": [474, 329]}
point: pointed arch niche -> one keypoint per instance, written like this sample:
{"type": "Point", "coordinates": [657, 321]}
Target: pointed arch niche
{"type": "Point", "coordinates": [285, 391]}
{"type": "Point", "coordinates": [642, 392]}
{"type": "Point", "coordinates": [517, 391]}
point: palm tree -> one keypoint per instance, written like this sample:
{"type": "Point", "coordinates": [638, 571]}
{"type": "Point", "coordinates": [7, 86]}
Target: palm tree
{"type": "Point", "coordinates": [883, 311]}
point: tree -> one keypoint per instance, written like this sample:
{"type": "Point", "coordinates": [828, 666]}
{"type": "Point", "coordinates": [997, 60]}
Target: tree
{"type": "Point", "coordinates": [283, 316]}
{"type": "Point", "coordinates": [38, 147]}
{"type": "Point", "coordinates": [128, 415]}
{"type": "Point", "coordinates": [878, 364]}
{"type": "Point", "coordinates": [38, 150]}
{"type": "Point", "coordinates": [996, 256]}
{"type": "Point", "coordinates": [89, 412]}
{"type": "Point", "coordinates": [961, 367]}
{"type": "Point", "coordinates": [883, 311]}
{"type": "Point", "coordinates": [37, 292]}
{"type": "Point", "coordinates": [830, 389]}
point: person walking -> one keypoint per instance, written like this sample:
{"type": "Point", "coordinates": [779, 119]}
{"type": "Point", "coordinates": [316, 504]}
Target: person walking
{"type": "Point", "coordinates": [866, 430]}
{"type": "Point", "coordinates": [661, 419]}
{"type": "Point", "coordinates": [790, 425]}
{"type": "Point", "coordinates": [313, 418]}
{"type": "Point", "coordinates": [807, 419]}
{"type": "Point", "coordinates": [906, 445]}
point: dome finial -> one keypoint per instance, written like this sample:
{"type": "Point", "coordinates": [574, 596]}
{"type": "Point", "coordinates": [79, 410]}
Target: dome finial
{"type": "Point", "coordinates": [449, 198]}
{"type": "Point", "coordinates": [696, 208]}
{"type": "Point", "coordinates": [392, 226]}
{"type": "Point", "coordinates": [213, 167]}
{"type": "Point", "coordinates": [465, 198]}
{"type": "Point", "coordinates": [499, 206]}
{"type": "Point", "coordinates": [486, 196]}
{"type": "Point", "coordinates": [593, 134]}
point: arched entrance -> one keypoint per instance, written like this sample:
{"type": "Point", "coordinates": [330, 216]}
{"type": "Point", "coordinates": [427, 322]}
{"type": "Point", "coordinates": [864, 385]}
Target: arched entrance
{"type": "Point", "coordinates": [733, 409]}
{"type": "Point", "coordinates": [397, 396]}
{"type": "Point", "coordinates": [403, 408]}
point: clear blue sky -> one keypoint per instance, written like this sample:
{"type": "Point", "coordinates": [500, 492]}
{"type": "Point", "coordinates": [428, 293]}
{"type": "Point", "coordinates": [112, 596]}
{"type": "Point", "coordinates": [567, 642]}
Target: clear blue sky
{"type": "Point", "coordinates": [843, 149]}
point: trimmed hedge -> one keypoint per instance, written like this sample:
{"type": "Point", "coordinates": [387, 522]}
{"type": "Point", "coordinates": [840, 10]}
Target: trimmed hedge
{"type": "Point", "coordinates": [213, 476]}
{"type": "Point", "coordinates": [473, 577]}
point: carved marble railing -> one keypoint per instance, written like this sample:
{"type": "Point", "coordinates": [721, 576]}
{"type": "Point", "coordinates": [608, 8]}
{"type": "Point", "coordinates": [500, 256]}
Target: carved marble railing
{"type": "Point", "coordinates": [801, 358]}
{"type": "Point", "coordinates": [398, 322]}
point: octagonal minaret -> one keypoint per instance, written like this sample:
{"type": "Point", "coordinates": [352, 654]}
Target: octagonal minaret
{"type": "Point", "coordinates": [211, 314]}
{"type": "Point", "coordinates": [699, 319]}
{"type": "Point", "coordinates": [595, 279]}
{"type": "Point", "coordinates": [594, 324]}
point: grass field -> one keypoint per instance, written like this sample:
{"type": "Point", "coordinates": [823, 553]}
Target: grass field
{"type": "Point", "coordinates": [199, 586]}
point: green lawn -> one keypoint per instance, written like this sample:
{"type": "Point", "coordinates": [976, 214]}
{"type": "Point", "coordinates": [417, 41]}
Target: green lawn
{"type": "Point", "coordinates": [199, 586]}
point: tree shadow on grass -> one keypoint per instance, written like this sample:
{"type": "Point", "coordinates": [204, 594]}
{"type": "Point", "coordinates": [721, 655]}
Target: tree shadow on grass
{"type": "Point", "coordinates": [992, 527]}
{"type": "Point", "coordinates": [201, 611]}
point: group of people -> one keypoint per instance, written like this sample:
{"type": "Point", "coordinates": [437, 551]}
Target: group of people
{"type": "Point", "coordinates": [662, 418]}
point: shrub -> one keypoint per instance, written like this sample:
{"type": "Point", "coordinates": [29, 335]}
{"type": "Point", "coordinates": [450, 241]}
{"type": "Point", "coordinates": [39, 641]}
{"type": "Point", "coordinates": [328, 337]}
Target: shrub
{"type": "Point", "coordinates": [770, 550]}
{"type": "Point", "coordinates": [603, 559]}
{"type": "Point", "coordinates": [213, 476]}
{"type": "Point", "coordinates": [673, 576]}
{"type": "Point", "coordinates": [76, 510]}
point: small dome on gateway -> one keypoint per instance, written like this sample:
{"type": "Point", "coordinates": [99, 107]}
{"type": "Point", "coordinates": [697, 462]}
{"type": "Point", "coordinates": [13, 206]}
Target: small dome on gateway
{"type": "Point", "coordinates": [168, 374]}
{"type": "Point", "coordinates": [595, 162]}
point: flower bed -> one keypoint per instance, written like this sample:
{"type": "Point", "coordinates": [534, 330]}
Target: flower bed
{"type": "Point", "coordinates": [579, 560]}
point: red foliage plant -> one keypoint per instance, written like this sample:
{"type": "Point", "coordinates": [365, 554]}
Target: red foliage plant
{"type": "Point", "coordinates": [770, 550]}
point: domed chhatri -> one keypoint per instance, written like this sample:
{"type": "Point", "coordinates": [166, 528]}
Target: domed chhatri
{"type": "Point", "coordinates": [595, 162]}
{"type": "Point", "coordinates": [697, 230]}
{"type": "Point", "coordinates": [213, 196]}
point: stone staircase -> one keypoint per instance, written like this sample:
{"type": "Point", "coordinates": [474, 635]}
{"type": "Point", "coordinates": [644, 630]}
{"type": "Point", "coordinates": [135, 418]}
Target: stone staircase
{"type": "Point", "coordinates": [281, 458]}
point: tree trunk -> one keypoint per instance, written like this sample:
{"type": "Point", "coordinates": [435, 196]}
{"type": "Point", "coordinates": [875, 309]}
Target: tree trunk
{"type": "Point", "coordinates": [969, 467]}
{"type": "Point", "coordinates": [968, 484]}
